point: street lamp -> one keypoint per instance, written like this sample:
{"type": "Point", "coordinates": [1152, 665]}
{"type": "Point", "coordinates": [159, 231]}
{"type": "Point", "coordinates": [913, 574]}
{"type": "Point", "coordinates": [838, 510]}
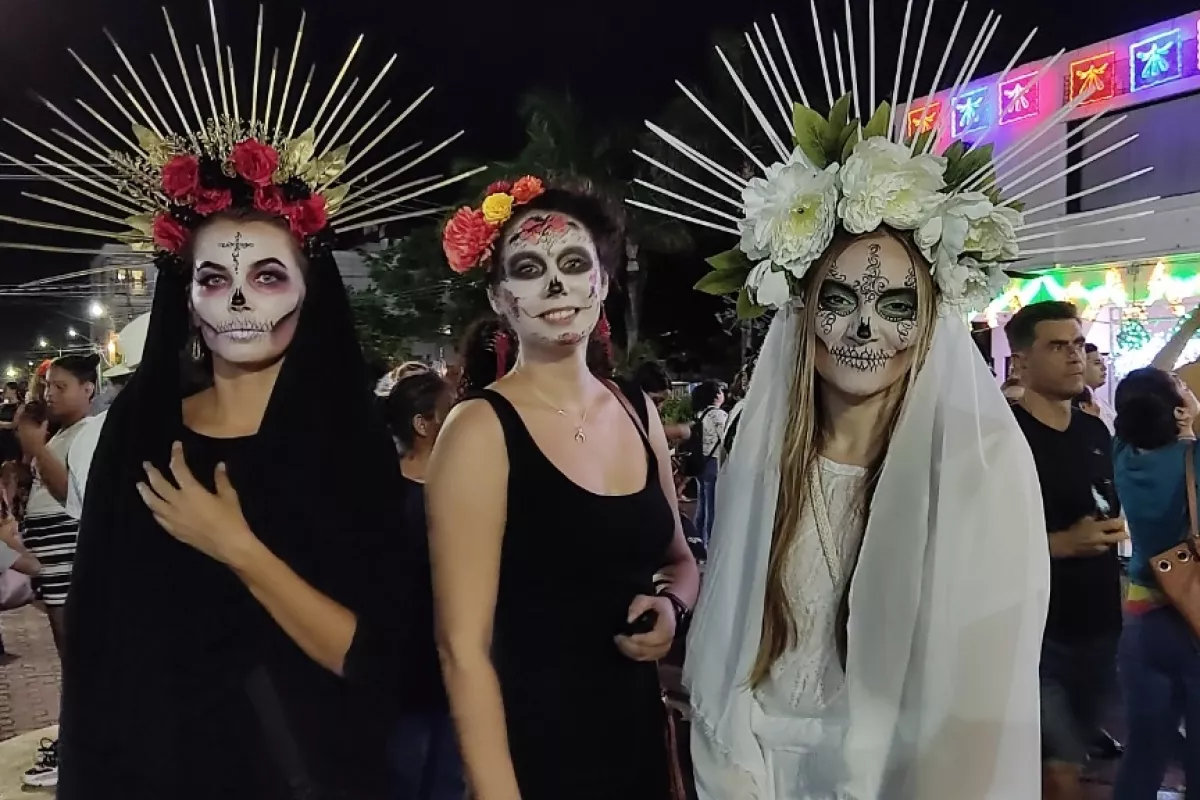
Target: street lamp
{"type": "Point", "coordinates": [96, 311]}
{"type": "Point", "coordinates": [42, 343]}
{"type": "Point", "coordinates": [72, 333]}
{"type": "Point", "coordinates": [11, 372]}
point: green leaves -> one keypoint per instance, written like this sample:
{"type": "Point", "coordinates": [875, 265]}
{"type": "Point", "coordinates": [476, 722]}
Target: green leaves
{"type": "Point", "coordinates": [963, 163]}
{"type": "Point", "coordinates": [730, 270]}
{"type": "Point", "coordinates": [878, 126]}
{"type": "Point", "coordinates": [812, 130]}
{"type": "Point", "coordinates": [747, 309]}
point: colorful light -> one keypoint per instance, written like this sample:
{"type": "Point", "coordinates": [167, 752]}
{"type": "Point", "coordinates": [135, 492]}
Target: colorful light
{"type": "Point", "coordinates": [1097, 74]}
{"type": "Point", "coordinates": [924, 119]}
{"type": "Point", "coordinates": [1019, 98]}
{"type": "Point", "coordinates": [970, 112]}
{"type": "Point", "coordinates": [1156, 60]}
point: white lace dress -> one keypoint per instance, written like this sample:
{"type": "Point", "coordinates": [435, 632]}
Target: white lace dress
{"type": "Point", "coordinates": [800, 713]}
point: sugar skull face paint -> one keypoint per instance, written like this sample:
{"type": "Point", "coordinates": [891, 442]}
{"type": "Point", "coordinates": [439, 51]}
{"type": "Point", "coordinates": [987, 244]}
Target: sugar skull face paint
{"type": "Point", "coordinates": [552, 286]}
{"type": "Point", "coordinates": [866, 316]}
{"type": "Point", "coordinates": [247, 289]}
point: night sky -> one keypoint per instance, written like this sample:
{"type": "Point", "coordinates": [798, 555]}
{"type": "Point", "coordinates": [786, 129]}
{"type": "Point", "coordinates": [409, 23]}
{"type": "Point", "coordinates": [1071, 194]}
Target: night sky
{"type": "Point", "coordinates": [618, 58]}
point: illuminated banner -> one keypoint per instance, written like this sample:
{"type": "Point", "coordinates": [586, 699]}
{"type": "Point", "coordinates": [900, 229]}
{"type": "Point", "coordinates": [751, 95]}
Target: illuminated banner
{"type": "Point", "coordinates": [1156, 60]}
{"type": "Point", "coordinates": [924, 119]}
{"type": "Point", "coordinates": [1096, 74]}
{"type": "Point", "coordinates": [1019, 98]}
{"type": "Point", "coordinates": [970, 112]}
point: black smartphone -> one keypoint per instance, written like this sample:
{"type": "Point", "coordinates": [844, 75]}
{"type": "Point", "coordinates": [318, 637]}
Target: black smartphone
{"type": "Point", "coordinates": [643, 624]}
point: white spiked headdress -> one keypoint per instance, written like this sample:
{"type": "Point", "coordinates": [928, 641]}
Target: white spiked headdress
{"type": "Point", "coordinates": [150, 175]}
{"type": "Point", "coordinates": [962, 207]}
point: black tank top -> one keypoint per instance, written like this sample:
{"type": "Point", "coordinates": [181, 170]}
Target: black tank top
{"type": "Point", "coordinates": [584, 721]}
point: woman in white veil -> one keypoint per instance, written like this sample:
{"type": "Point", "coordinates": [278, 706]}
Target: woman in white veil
{"type": "Point", "coordinates": [871, 619]}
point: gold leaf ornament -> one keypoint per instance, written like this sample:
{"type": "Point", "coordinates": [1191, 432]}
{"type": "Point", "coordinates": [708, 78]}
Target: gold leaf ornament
{"type": "Point", "coordinates": [297, 153]}
{"type": "Point", "coordinates": [157, 149]}
{"type": "Point", "coordinates": [142, 223]}
{"type": "Point", "coordinates": [335, 196]}
{"type": "Point", "coordinates": [327, 168]}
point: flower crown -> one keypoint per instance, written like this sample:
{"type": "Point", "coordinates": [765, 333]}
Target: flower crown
{"type": "Point", "coordinates": [279, 157]}
{"type": "Point", "coordinates": [470, 235]}
{"type": "Point", "coordinates": [837, 177]}
{"type": "Point", "coordinates": [860, 171]}
{"type": "Point", "coordinates": [192, 186]}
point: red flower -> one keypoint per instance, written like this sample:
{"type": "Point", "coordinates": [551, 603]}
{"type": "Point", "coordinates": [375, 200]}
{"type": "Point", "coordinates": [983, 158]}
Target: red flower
{"type": "Point", "coordinates": [527, 188]}
{"type": "Point", "coordinates": [210, 201]}
{"type": "Point", "coordinates": [467, 239]}
{"type": "Point", "coordinates": [499, 187]}
{"type": "Point", "coordinates": [169, 233]}
{"type": "Point", "coordinates": [181, 177]}
{"type": "Point", "coordinates": [307, 216]}
{"type": "Point", "coordinates": [269, 199]}
{"type": "Point", "coordinates": [254, 161]}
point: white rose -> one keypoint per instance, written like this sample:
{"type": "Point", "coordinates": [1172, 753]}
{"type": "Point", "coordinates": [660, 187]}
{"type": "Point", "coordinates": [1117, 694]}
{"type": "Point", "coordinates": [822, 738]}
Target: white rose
{"type": "Point", "coordinates": [994, 236]}
{"type": "Point", "coordinates": [882, 182]}
{"type": "Point", "coordinates": [943, 238]}
{"type": "Point", "coordinates": [768, 287]}
{"type": "Point", "coordinates": [791, 214]}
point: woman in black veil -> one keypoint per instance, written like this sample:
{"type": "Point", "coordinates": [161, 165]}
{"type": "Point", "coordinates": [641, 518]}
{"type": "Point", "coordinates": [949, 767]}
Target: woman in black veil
{"type": "Point", "coordinates": [240, 625]}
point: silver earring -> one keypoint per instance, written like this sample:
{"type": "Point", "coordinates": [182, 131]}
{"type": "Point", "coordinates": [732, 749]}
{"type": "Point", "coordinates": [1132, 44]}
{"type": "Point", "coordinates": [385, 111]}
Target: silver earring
{"type": "Point", "coordinates": [197, 348]}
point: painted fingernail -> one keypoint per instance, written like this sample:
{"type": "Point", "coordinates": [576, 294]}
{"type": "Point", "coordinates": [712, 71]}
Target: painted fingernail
{"type": "Point", "coordinates": [147, 466]}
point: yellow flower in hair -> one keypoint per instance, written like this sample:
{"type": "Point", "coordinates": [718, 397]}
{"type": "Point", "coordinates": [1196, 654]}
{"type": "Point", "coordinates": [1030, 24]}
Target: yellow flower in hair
{"type": "Point", "coordinates": [497, 208]}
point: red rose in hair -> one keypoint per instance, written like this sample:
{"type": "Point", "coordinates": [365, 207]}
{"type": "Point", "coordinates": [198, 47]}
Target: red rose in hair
{"type": "Point", "coordinates": [210, 201]}
{"type": "Point", "coordinates": [269, 199]}
{"type": "Point", "coordinates": [499, 187]}
{"type": "Point", "coordinates": [527, 188]}
{"type": "Point", "coordinates": [181, 177]}
{"type": "Point", "coordinates": [254, 161]}
{"type": "Point", "coordinates": [307, 216]}
{"type": "Point", "coordinates": [467, 239]}
{"type": "Point", "coordinates": [169, 233]}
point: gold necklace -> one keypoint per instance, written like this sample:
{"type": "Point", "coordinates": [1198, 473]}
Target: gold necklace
{"type": "Point", "coordinates": [580, 434]}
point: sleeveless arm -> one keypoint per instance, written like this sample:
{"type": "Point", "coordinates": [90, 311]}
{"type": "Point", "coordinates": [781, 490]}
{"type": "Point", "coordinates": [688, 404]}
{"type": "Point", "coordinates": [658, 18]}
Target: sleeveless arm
{"type": "Point", "coordinates": [466, 493]}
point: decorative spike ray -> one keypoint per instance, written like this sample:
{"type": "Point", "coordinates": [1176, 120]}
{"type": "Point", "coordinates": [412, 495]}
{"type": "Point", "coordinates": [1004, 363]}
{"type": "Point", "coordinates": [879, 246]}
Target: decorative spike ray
{"type": "Point", "coordinates": [287, 83]}
{"type": "Point", "coordinates": [100, 157]}
{"type": "Point", "coordinates": [437, 148]}
{"type": "Point", "coordinates": [96, 79]}
{"type": "Point", "coordinates": [720, 172]}
{"type": "Point", "coordinates": [111, 128]}
{"type": "Point", "coordinates": [899, 65]}
{"type": "Point", "coordinates": [837, 52]}
{"type": "Point", "coordinates": [413, 195]}
{"type": "Point", "coordinates": [233, 95]}
{"type": "Point", "coordinates": [133, 101]}
{"type": "Point", "coordinates": [87, 212]}
{"type": "Point", "coordinates": [258, 34]}
{"type": "Point", "coordinates": [112, 186]}
{"type": "Point", "coordinates": [271, 91]}
{"type": "Point", "coordinates": [401, 153]}
{"type": "Point", "coordinates": [781, 102]}
{"type": "Point", "coordinates": [1076, 247]}
{"type": "Point", "coordinates": [683, 217]}
{"type": "Point", "coordinates": [684, 178]}
{"type": "Point", "coordinates": [982, 39]}
{"type": "Point", "coordinates": [937, 78]}
{"type": "Point", "coordinates": [1012, 62]}
{"type": "Point", "coordinates": [337, 109]}
{"type": "Point", "coordinates": [1088, 214]}
{"type": "Point", "coordinates": [912, 82]}
{"type": "Point", "coordinates": [217, 56]}
{"type": "Point", "coordinates": [336, 82]}
{"type": "Point", "coordinates": [300, 103]}
{"type": "Point", "coordinates": [118, 206]}
{"type": "Point", "coordinates": [687, 200]}
{"type": "Point", "coordinates": [363, 203]}
{"type": "Point", "coordinates": [820, 51]}
{"type": "Point", "coordinates": [391, 126]}
{"type": "Point", "coordinates": [722, 126]}
{"type": "Point", "coordinates": [398, 217]}
{"type": "Point", "coordinates": [183, 70]}
{"type": "Point", "coordinates": [1077, 224]}
{"type": "Point", "coordinates": [787, 56]}
{"type": "Point", "coordinates": [45, 248]}
{"type": "Point", "coordinates": [871, 51]}
{"type": "Point", "coordinates": [852, 63]}
{"type": "Point", "coordinates": [54, 226]}
{"type": "Point", "coordinates": [162, 76]}
{"type": "Point", "coordinates": [166, 127]}
{"type": "Point", "coordinates": [212, 101]}
{"type": "Point", "coordinates": [337, 135]}
{"type": "Point", "coordinates": [768, 129]}
{"type": "Point", "coordinates": [1012, 178]}
{"type": "Point", "coordinates": [1137, 173]}
{"type": "Point", "coordinates": [100, 146]}
{"type": "Point", "coordinates": [1019, 196]}
{"type": "Point", "coordinates": [367, 125]}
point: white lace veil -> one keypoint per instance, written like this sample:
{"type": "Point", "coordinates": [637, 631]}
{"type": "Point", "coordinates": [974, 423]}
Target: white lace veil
{"type": "Point", "coordinates": [947, 605]}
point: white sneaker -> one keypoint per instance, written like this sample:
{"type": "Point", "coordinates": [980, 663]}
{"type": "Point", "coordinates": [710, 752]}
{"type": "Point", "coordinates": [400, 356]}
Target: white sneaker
{"type": "Point", "coordinates": [44, 772]}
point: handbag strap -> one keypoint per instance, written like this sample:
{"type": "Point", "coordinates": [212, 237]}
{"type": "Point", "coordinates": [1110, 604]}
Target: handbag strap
{"type": "Point", "coordinates": [1189, 473]}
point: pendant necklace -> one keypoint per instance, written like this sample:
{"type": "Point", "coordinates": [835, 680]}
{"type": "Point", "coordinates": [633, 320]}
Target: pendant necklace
{"type": "Point", "coordinates": [580, 435]}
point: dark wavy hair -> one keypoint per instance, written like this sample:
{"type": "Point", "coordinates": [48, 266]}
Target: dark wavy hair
{"type": "Point", "coordinates": [599, 213]}
{"type": "Point", "coordinates": [414, 395]}
{"type": "Point", "coordinates": [1146, 402]}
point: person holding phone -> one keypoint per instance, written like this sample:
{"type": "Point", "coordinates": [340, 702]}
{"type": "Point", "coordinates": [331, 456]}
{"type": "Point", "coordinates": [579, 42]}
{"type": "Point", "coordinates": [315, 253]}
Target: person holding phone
{"type": "Point", "coordinates": [1073, 453]}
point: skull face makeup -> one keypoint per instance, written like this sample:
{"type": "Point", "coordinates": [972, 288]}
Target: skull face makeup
{"type": "Point", "coordinates": [866, 316]}
{"type": "Point", "coordinates": [247, 289]}
{"type": "Point", "coordinates": [552, 285]}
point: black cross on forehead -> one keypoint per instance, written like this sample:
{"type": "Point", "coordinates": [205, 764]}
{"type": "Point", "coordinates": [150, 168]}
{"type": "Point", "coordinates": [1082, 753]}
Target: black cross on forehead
{"type": "Point", "coordinates": [237, 245]}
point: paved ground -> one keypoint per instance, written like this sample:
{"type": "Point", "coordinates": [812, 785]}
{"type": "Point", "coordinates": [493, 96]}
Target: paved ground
{"type": "Point", "coordinates": [29, 674]}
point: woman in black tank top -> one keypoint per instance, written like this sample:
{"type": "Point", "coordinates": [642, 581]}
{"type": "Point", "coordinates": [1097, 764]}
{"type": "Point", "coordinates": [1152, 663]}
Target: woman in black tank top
{"type": "Point", "coordinates": [551, 512]}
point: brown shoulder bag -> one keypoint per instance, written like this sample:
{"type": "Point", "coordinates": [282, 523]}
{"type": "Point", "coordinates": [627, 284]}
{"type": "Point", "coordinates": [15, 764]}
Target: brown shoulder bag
{"type": "Point", "coordinates": [1178, 569]}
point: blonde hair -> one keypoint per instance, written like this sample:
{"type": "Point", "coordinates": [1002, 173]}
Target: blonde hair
{"type": "Point", "coordinates": [805, 435]}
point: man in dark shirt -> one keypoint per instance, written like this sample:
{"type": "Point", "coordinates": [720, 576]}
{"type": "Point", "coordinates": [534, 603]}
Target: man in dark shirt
{"type": "Point", "coordinates": [1073, 453]}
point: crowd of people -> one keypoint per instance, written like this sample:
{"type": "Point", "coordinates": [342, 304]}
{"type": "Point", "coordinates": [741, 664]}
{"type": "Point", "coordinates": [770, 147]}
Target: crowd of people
{"type": "Point", "coordinates": [898, 582]}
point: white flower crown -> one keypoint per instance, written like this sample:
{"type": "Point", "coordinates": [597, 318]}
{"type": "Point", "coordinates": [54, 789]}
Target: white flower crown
{"type": "Point", "coordinates": [835, 178]}
{"type": "Point", "coordinates": [838, 170]}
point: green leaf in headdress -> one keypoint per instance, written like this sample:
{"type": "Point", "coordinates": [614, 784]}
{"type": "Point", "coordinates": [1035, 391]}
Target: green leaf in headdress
{"type": "Point", "coordinates": [733, 259]}
{"type": "Point", "coordinates": [878, 126]}
{"type": "Point", "coordinates": [811, 132]}
{"type": "Point", "coordinates": [747, 309]}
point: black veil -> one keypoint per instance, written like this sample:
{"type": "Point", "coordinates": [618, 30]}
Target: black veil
{"type": "Point", "coordinates": [316, 492]}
